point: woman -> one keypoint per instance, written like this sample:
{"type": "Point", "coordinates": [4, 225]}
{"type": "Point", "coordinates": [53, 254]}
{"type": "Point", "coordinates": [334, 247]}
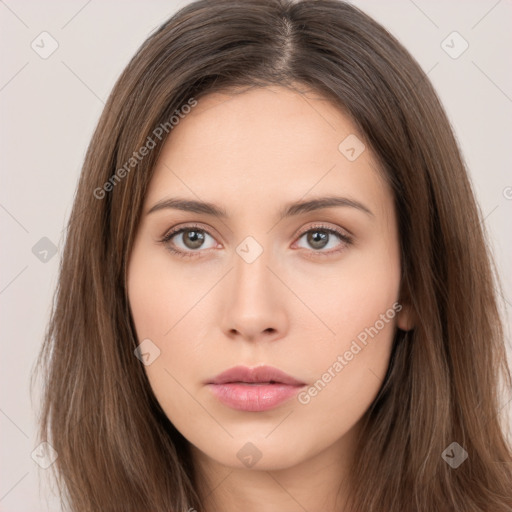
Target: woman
{"type": "Point", "coordinates": [276, 290]}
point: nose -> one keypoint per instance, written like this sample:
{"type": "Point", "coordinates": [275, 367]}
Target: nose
{"type": "Point", "coordinates": [254, 308]}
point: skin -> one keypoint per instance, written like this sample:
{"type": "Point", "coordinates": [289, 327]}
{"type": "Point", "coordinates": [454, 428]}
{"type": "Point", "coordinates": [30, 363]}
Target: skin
{"type": "Point", "coordinates": [294, 307]}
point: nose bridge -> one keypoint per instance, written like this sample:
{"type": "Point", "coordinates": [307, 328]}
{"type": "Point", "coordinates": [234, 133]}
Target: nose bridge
{"type": "Point", "coordinates": [254, 305]}
{"type": "Point", "coordinates": [252, 278]}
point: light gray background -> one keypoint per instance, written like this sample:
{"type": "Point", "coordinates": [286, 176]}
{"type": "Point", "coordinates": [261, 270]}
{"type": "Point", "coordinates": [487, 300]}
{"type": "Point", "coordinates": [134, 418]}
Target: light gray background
{"type": "Point", "coordinates": [49, 108]}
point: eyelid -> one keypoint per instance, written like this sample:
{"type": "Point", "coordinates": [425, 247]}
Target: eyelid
{"type": "Point", "coordinates": [176, 229]}
{"type": "Point", "coordinates": [345, 233]}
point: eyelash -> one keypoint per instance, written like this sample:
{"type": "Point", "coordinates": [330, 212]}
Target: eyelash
{"type": "Point", "coordinates": [188, 254]}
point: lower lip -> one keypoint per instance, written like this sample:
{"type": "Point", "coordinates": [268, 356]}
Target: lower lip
{"type": "Point", "coordinates": [253, 397]}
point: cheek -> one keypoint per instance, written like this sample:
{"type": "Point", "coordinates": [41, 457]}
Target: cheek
{"type": "Point", "coordinates": [160, 294]}
{"type": "Point", "coordinates": [166, 308]}
{"type": "Point", "coordinates": [360, 307]}
{"type": "Point", "coordinates": [346, 371]}
{"type": "Point", "coordinates": [160, 304]}
{"type": "Point", "coordinates": [352, 299]}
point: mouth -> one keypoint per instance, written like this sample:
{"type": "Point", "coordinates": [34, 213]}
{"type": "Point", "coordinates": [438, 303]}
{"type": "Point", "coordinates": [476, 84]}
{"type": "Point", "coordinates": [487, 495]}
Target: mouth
{"type": "Point", "coordinates": [254, 389]}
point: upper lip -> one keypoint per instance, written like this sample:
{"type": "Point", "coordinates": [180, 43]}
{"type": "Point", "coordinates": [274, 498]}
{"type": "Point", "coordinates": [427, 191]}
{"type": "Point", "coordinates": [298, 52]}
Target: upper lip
{"type": "Point", "coordinates": [258, 374]}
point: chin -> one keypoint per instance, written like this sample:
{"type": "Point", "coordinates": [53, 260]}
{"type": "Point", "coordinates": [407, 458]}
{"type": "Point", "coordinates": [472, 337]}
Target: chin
{"type": "Point", "coordinates": [254, 455]}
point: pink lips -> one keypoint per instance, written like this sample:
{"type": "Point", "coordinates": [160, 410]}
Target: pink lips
{"type": "Point", "coordinates": [254, 389]}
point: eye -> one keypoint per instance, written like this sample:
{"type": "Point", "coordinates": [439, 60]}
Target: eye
{"type": "Point", "coordinates": [187, 241]}
{"type": "Point", "coordinates": [321, 237]}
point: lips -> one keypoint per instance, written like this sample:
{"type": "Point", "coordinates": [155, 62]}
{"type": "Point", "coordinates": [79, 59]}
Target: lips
{"type": "Point", "coordinates": [254, 389]}
{"type": "Point", "coordinates": [257, 375]}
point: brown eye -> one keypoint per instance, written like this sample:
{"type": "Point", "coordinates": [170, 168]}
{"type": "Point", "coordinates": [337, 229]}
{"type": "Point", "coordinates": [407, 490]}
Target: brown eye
{"type": "Point", "coordinates": [320, 238]}
{"type": "Point", "coordinates": [317, 239]}
{"type": "Point", "coordinates": [193, 238]}
{"type": "Point", "coordinates": [188, 241]}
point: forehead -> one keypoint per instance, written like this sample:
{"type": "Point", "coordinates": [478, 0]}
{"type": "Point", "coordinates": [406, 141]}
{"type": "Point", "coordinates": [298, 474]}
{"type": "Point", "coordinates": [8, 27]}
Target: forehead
{"type": "Point", "coordinates": [262, 145]}
{"type": "Point", "coordinates": [285, 120]}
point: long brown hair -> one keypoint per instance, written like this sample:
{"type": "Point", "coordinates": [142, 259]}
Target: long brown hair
{"type": "Point", "coordinates": [116, 448]}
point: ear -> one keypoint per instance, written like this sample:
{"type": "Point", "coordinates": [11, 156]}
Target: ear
{"type": "Point", "coordinates": [406, 319]}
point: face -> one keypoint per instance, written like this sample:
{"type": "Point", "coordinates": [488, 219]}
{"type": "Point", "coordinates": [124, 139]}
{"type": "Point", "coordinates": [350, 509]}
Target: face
{"type": "Point", "coordinates": [268, 276]}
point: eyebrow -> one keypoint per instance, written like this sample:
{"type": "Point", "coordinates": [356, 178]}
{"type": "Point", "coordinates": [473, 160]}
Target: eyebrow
{"type": "Point", "coordinates": [289, 210]}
